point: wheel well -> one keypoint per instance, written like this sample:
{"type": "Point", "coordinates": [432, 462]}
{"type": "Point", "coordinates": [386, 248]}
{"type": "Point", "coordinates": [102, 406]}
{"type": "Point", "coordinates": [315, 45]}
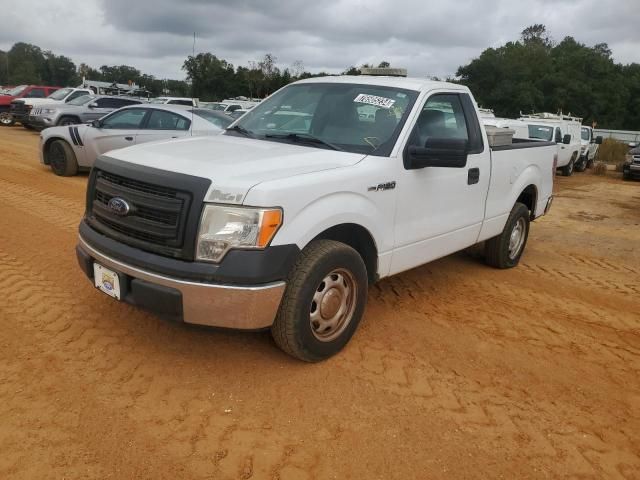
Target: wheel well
{"type": "Point", "coordinates": [529, 197]}
{"type": "Point", "coordinates": [358, 238]}
{"type": "Point", "coordinates": [46, 146]}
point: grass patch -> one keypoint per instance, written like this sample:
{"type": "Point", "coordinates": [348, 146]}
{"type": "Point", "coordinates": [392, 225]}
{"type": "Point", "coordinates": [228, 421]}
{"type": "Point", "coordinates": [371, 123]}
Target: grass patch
{"type": "Point", "coordinates": [612, 151]}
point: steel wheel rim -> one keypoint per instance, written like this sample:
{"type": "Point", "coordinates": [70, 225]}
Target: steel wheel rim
{"type": "Point", "coordinates": [333, 305]}
{"type": "Point", "coordinates": [57, 157]}
{"type": "Point", "coordinates": [516, 239]}
{"type": "Point", "coordinates": [66, 123]}
{"type": "Point", "coordinates": [5, 118]}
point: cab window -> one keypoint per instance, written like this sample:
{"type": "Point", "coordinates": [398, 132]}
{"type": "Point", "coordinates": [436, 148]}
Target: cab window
{"type": "Point", "coordinates": [36, 93]}
{"type": "Point", "coordinates": [442, 116]}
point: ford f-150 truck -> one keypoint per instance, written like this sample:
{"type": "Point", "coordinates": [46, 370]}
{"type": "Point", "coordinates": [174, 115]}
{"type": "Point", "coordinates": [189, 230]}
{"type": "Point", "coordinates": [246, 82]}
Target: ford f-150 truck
{"type": "Point", "coordinates": [284, 220]}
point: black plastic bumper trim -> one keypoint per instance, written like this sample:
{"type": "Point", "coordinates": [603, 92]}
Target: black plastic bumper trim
{"type": "Point", "coordinates": [239, 267]}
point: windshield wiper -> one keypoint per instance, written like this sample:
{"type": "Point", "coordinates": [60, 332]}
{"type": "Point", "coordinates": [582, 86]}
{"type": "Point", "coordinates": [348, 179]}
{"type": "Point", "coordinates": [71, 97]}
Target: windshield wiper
{"type": "Point", "coordinates": [304, 137]}
{"type": "Point", "coordinates": [242, 130]}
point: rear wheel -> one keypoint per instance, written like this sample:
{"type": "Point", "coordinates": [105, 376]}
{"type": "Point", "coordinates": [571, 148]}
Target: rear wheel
{"type": "Point", "coordinates": [6, 119]}
{"type": "Point", "coordinates": [323, 303]}
{"type": "Point", "coordinates": [62, 159]}
{"type": "Point", "coordinates": [505, 250]}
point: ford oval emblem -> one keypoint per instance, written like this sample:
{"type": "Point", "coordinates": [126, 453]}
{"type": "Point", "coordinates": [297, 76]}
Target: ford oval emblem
{"type": "Point", "coordinates": [119, 206]}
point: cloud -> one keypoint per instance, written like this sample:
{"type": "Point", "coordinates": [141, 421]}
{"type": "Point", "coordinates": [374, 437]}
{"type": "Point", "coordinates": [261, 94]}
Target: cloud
{"type": "Point", "coordinates": [427, 37]}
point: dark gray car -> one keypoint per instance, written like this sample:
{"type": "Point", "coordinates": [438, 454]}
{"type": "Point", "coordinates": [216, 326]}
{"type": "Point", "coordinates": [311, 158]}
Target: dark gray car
{"type": "Point", "coordinates": [84, 109]}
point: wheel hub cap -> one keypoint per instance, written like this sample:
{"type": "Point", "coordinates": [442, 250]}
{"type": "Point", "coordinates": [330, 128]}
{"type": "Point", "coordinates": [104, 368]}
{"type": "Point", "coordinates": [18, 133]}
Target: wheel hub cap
{"type": "Point", "coordinates": [333, 305]}
{"type": "Point", "coordinates": [516, 240]}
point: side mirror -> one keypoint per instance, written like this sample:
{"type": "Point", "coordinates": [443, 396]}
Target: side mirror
{"type": "Point", "coordinates": [599, 140]}
{"type": "Point", "coordinates": [96, 124]}
{"type": "Point", "coordinates": [437, 152]}
{"type": "Point", "coordinates": [566, 139]}
{"type": "Point", "coordinates": [93, 105]}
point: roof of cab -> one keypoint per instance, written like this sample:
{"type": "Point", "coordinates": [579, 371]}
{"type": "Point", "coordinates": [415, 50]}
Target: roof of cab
{"type": "Point", "coordinates": [408, 83]}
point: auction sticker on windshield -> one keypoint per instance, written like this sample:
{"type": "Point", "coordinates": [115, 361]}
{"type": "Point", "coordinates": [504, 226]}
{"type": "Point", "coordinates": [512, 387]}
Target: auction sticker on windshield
{"type": "Point", "coordinates": [374, 100]}
{"type": "Point", "coordinates": [106, 280]}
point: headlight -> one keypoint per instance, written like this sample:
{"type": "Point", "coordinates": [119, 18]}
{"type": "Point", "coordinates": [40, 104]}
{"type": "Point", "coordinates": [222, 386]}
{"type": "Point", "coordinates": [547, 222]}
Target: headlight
{"type": "Point", "coordinates": [48, 111]}
{"type": "Point", "coordinates": [223, 228]}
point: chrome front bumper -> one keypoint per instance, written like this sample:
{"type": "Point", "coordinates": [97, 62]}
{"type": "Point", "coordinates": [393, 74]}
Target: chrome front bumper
{"type": "Point", "coordinates": [227, 306]}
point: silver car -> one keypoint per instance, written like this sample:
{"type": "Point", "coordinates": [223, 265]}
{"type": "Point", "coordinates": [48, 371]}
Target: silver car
{"type": "Point", "coordinates": [83, 109]}
{"type": "Point", "coordinates": [71, 148]}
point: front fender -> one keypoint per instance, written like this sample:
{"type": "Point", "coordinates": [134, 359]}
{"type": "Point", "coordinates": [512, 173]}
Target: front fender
{"type": "Point", "coordinates": [328, 211]}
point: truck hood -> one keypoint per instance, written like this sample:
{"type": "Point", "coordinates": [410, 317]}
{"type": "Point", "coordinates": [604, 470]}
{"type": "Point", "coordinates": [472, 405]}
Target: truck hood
{"type": "Point", "coordinates": [234, 164]}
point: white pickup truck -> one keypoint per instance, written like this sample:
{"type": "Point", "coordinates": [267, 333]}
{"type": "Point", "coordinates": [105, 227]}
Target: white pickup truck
{"type": "Point", "coordinates": [284, 220]}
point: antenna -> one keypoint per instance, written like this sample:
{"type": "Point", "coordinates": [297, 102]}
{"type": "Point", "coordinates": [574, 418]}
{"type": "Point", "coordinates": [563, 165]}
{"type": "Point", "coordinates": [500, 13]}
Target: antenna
{"type": "Point", "coordinates": [193, 55]}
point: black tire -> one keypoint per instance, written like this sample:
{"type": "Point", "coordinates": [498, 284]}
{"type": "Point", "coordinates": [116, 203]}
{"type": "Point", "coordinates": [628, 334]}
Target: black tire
{"type": "Point", "coordinates": [62, 159]}
{"type": "Point", "coordinates": [323, 268]}
{"type": "Point", "coordinates": [64, 121]}
{"type": "Point", "coordinates": [567, 170]}
{"type": "Point", "coordinates": [28, 126]}
{"type": "Point", "coordinates": [581, 166]}
{"type": "Point", "coordinates": [6, 119]}
{"type": "Point", "coordinates": [498, 250]}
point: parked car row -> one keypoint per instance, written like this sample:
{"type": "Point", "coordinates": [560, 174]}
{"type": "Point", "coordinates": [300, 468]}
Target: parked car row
{"type": "Point", "coordinates": [576, 146]}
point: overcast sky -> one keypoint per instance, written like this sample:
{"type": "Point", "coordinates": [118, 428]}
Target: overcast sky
{"type": "Point", "coordinates": [427, 37]}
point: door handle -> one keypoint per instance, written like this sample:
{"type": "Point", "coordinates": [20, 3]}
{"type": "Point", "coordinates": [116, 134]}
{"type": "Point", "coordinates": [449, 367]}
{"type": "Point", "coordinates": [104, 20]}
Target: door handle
{"type": "Point", "coordinates": [474, 176]}
{"type": "Point", "coordinates": [129, 138]}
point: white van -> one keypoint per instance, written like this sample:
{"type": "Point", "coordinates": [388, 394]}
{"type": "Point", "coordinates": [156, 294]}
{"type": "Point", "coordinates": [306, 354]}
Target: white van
{"type": "Point", "coordinates": [562, 129]}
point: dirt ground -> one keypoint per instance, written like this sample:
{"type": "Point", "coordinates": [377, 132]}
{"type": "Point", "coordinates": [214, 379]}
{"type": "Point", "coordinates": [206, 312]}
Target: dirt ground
{"type": "Point", "coordinates": [457, 371]}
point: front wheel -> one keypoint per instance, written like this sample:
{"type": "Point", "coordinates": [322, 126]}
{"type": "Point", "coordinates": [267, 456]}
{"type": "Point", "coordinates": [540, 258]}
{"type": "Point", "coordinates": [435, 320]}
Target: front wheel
{"type": "Point", "coordinates": [581, 166]}
{"type": "Point", "coordinates": [65, 121]}
{"type": "Point", "coordinates": [323, 303]}
{"type": "Point", "coordinates": [6, 119]}
{"type": "Point", "coordinates": [567, 170]}
{"type": "Point", "coordinates": [62, 159]}
{"type": "Point", "coordinates": [505, 250]}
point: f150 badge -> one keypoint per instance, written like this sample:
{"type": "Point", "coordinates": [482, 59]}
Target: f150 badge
{"type": "Point", "coordinates": [382, 186]}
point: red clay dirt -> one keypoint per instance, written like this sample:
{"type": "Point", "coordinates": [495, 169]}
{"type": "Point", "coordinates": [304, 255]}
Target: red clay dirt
{"type": "Point", "coordinates": [457, 371]}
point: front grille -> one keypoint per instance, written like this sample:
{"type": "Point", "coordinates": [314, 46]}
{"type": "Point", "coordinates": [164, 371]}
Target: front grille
{"type": "Point", "coordinates": [156, 219]}
{"type": "Point", "coordinates": [636, 159]}
{"type": "Point", "coordinates": [20, 108]}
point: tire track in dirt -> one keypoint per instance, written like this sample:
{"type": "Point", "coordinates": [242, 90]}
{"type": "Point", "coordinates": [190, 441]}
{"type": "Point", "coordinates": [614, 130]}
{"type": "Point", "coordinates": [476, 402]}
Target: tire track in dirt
{"type": "Point", "coordinates": [52, 209]}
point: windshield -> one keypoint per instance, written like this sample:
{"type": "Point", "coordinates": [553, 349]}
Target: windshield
{"type": "Point", "coordinates": [81, 100]}
{"type": "Point", "coordinates": [14, 92]}
{"type": "Point", "coordinates": [585, 134]}
{"type": "Point", "coordinates": [541, 132]}
{"type": "Point", "coordinates": [355, 118]}
{"type": "Point", "coordinates": [60, 94]}
{"type": "Point", "coordinates": [219, 120]}
{"type": "Point", "coordinates": [158, 100]}
{"type": "Point", "coordinates": [217, 106]}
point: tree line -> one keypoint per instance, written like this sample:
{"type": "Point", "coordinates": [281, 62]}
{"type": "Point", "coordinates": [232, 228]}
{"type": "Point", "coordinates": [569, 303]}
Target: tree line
{"type": "Point", "coordinates": [531, 74]}
{"type": "Point", "coordinates": [537, 74]}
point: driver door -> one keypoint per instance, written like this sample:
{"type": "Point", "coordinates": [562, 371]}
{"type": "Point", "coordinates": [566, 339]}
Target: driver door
{"type": "Point", "coordinates": [440, 210]}
{"type": "Point", "coordinates": [117, 130]}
